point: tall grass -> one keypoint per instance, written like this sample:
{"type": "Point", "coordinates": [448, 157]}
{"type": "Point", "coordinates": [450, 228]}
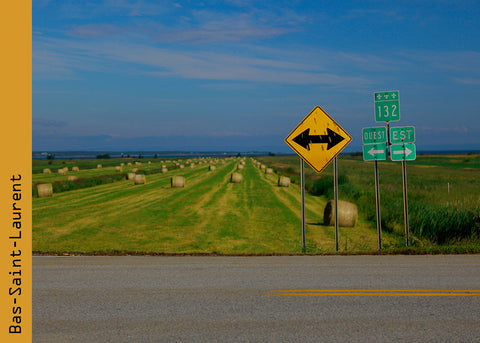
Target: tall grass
{"type": "Point", "coordinates": [446, 223]}
{"type": "Point", "coordinates": [435, 214]}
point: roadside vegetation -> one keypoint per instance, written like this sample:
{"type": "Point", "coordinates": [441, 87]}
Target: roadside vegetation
{"type": "Point", "coordinates": [443, 195]}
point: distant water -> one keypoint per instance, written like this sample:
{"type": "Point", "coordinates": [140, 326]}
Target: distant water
{"type": "Point", "coordinates": [145, 154]}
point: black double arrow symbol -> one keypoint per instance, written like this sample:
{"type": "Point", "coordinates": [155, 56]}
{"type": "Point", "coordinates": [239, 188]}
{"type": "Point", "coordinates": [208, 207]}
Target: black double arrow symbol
{"type": "Point", "coordinates": [305, 139]}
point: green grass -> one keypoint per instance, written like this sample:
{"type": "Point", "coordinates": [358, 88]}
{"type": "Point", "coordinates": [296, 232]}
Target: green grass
{"type": "Point", "coordinates": [443, 193]}
{"type": "Point", "coordinates": [209, 215]}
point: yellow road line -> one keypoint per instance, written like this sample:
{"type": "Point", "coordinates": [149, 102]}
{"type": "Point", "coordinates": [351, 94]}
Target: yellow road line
{"type": "Point", "coordinates": [376, 292]}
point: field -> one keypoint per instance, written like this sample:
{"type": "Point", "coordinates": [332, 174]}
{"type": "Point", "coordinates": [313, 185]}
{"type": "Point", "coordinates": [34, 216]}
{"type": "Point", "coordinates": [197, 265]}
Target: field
{"type": "Point", "coordinates": [443, 194]}
{"type": "Point", "coordinates": [212, 215]}
{"type": "Point", "coordinates": [209, 215]}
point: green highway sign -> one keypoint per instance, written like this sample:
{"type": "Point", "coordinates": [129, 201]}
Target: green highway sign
{"type": "Point", "coordinates": [405, 134]}
{"type": "Point", "coordinates": [403, 152]}
{"type": "Point", "coordinates": [372, 152]}
{"type": "Point", "coordinates": [374, 135]}
{"type": "Point", "coordinates": [387, 106]}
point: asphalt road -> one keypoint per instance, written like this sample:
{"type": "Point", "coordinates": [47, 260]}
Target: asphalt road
{"type": "Point", "coordinates": [256, 299]}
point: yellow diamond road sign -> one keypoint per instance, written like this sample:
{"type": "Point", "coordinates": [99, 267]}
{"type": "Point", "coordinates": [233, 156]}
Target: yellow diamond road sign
{"type": "Point", "coordinates": [318, 139]}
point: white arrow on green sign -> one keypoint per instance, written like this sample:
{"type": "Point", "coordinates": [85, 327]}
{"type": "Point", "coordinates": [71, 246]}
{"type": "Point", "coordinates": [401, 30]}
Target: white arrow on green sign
{"type": "Point", "coordinates": [372, 152]}
{"type": "Point", "coordinates": [404, 134]}
{"type": "Point", "coordinates": [403, 152]}
{"type": "Point", "coordinates": [374, 135]}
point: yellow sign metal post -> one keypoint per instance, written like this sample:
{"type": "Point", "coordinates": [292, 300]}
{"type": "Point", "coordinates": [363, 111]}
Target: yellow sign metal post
{"type": "Point", "coordinates": [318, 139]}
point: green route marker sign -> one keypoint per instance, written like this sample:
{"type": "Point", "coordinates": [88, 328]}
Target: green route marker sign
{"type": "Point", "coordinates": [403, 152]}
{"type": "Point", "coordinates": [387, 106]}
{"type": "Point", "coordinates": [405, 134]}
{"type": "Point", "coordinates": [374, 135]}
{"type": "Point", "coordinates": [372, 152]}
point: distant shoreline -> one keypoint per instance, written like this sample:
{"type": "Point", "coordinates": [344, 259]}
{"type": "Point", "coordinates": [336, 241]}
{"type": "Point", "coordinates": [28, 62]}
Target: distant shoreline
{"type": "Point", "coordinates": [38, 155]}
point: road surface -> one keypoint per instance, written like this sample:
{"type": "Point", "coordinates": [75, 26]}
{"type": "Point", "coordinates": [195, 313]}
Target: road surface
{"type": "Point", "coordinates": [256, 299]}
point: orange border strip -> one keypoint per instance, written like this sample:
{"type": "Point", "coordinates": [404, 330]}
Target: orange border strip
{"type": "Point", "coordinates": [16, 201]}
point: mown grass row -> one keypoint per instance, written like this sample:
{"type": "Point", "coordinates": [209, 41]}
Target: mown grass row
{"type": "Point", "coordinates": [209, 215]}
{"type": "Point", "coordinates": [88, 163]}
{"type": "Point", "coordinates": [94, 176]}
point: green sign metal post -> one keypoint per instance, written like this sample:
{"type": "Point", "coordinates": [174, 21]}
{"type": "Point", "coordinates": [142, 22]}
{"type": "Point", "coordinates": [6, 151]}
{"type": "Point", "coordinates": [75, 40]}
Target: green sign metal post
{"type": "Point", "coordinates": [377, 204]}
{"type": "Point", "coordinates": [405, 202]}
{"type": "Point", "coordinates": [387, 106]}
{"type": "Point", "coordinates": [404, 152]}
{"type": "Point", "coordinates": [375, 149]}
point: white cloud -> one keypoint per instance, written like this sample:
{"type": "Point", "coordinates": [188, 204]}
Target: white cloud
{"type": "Point", "coordinates": [96, 30]}
{"type": "Point", "coordinates": [455, 61]}
{"type": "Point", "coordinates": [468, 81]}
{"type": "Point", "coordinates": [441, 130]}
{"type": "Point", "coordinates": [79, 55]}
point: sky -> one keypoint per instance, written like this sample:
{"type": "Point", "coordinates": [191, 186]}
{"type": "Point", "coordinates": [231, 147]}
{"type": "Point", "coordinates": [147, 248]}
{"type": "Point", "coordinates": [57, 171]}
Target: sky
{"type": "Point", "coordinates": [240, 75]}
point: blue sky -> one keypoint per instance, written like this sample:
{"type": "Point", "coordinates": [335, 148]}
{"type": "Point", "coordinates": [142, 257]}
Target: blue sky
{"type": "Point", "coordinates": [240, 75]}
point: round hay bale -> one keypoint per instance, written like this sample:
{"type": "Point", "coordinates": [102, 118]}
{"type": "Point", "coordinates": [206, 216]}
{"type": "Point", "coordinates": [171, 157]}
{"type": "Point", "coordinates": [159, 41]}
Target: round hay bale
{"type": "Point", "coordinates": [122, 164]}
{"type": "Point", "coordinates": [129, 163]}
{"type": "Point", "coordinates": [182, 166]}
{"type": "Point", "coordinates": [130, 176]}
{"type": "Point", "coordinates": [192, 165]}
{"type": "Point", "coordinates": [61, 171]}
{"type": "Point", "coordinates": [135, 170]}
{"type": "Point", "coordinates": [138, 163]}
{"type": "Point", "coordinates": [75, 169]}
{"type": "Point", "coordinates": [262, 167]}
{"type": "Point", "coordinates": [347, 214]}
{"type": "Point", "coordinates": [240, 167]}
{"type": "Point", "coordinates": [140, 179]}
{"type": "Point", "coordinates": [149, 162]}
{"type": "Point", "coordinates": [47, 171]}
{"type": "Point", "coordinates": [118, 168]}
{"type": "Point", "coordinates": [164, 170]}
{"type": "Point", "coordinates": [99, 166]}
{"type": "Point", "coordinates": [72, 178]}
{"type": "Point", "coordinates": [236, 178]}
{"type": "Point", "coordinates": [44, 190]}
{"type": "Point", "coordinates": [211, 168]}
{"type": "Point", "coordinates": [283, 181]}
{"type": "Point", "coordinates": [178, 182]}
{"type": "Point", "coordinates": [268, 171]}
